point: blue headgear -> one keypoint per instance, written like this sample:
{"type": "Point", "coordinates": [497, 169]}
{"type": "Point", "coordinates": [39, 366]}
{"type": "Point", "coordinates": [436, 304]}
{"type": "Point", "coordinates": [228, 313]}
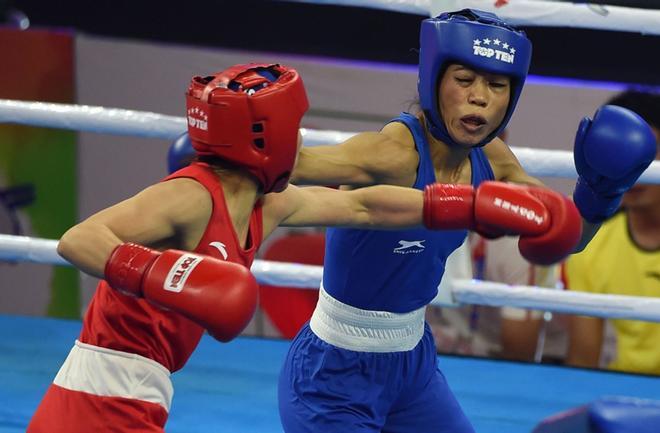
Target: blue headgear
{"type": "Point", "coordinates": [475, 39]}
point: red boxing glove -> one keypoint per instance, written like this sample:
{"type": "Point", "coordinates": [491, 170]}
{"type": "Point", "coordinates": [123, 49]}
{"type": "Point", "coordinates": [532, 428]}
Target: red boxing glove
{"type": "Point", "coordinates": [493, 209]}
{"type": "Point", "coordinates": [505, 209]}
{"type": "Point", "coordinates": [563, 235]}
{"type": "Point", "coordinates": [220, 296]}
{"type": "Point", "coordinates": [547, 222]}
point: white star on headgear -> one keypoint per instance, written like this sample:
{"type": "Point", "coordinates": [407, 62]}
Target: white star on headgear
{"type": "Point", "coordinates": [496, 41]}
{"type": "Point", "coordinates": [512, 50]}
{"type": "Point", "coordinates": [505, 45]}
{"type": "Point", "coordinates": [487, 41]}
{"type": "Point", "coordinates": [477, 42]}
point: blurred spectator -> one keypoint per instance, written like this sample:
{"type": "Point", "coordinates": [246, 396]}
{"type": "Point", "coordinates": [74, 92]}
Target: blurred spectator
{"type": "Point", "coordinates": [623, 258]}
{"type": "Point", "coordinates": [524, 335]}
{"type": "Point", "coordinates": [507, 332]}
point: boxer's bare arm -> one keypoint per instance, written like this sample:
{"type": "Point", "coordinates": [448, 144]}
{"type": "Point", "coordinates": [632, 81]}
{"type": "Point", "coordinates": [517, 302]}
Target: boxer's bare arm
{"type": "Point", "coordinates": [372, 207]}
{"type": "Point", "coordinates": [154, 217]}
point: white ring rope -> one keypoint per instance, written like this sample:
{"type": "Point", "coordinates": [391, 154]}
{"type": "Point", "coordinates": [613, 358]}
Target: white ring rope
{"type": "Point", "coordinates": [537, 162]}
{"type": "Point", "coordinates": [560, 301]}
{"type": "Point", "coordinates": [92, 119]}
{"type": "Point", "coordinates": [528, 12]}
{"type": "Point", "coordinates": [20, 249]}
{"type": "Point", "coordinates": [35, 250]}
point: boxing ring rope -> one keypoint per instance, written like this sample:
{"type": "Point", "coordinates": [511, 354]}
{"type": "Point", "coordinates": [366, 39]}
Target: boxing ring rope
{"type": "Point", "coordinates": [24, 249]}
{"type": "Point", "coordinates": [527, 12]}
{"type": "Point", "coordinates": [35, 250]}
{"type": "Point", "coordinates": [537, 162]}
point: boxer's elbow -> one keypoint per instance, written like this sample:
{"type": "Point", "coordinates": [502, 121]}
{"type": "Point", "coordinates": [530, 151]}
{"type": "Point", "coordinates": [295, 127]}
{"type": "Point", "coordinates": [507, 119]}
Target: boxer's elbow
{"type": "Point", "coordinates": [87, 247]}
{"type": "Point", "coordinates": [72, 241]}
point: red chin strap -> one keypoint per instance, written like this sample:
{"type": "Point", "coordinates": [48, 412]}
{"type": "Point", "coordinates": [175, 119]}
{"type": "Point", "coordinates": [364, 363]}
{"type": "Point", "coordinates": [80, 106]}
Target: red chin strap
{"type": "Point", "coordinates": [249, 115]}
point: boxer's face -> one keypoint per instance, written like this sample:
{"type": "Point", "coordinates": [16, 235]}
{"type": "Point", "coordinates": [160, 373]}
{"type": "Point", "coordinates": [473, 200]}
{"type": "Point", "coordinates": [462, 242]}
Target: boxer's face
{"type": "Point", "coordinates": [644, 195]}
{"type": "Point", "coordinates": [473, 103]}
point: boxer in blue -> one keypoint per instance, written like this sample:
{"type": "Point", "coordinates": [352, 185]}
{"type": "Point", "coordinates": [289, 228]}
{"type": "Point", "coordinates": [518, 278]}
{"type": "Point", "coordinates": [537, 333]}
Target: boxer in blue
{"type": "Point", "coordinates": [367, 362]}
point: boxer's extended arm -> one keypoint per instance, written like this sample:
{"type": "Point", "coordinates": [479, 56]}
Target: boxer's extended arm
{"type": "Point", "coordinates": [152, 217]}
{"type": "Point", "coordinates": [379, 206]}
{"type": "Point", "coordinates": [547, 221]}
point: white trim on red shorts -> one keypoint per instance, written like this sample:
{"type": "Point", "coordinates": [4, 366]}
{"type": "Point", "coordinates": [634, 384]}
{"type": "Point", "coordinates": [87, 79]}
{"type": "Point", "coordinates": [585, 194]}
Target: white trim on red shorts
{"type": "Point", "coordinates": [113, 373]}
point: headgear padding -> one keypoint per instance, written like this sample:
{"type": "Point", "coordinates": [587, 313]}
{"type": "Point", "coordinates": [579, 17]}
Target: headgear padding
{"type": "Point", "coordinates": [478, 40]}
{"type": "Point", "coordinates": [249, 115]}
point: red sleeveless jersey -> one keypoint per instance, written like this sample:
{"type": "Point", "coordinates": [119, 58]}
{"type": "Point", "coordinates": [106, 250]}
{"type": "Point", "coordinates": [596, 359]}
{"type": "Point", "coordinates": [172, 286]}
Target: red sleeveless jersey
{"type": "Point", "coordinates": [120, 322]}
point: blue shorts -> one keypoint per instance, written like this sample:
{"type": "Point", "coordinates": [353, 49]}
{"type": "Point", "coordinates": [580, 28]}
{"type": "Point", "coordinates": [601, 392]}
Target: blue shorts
{"type": "Point", "coordinates": [324, 388]}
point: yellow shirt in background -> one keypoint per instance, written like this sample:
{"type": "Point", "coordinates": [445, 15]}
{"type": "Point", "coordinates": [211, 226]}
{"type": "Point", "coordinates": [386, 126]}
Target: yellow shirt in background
{"type": "Point", "coordinates": [613, 264]}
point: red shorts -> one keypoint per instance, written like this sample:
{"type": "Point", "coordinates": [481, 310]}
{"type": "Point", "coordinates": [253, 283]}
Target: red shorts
{"type": "Point", "coordinates": [104, 390]}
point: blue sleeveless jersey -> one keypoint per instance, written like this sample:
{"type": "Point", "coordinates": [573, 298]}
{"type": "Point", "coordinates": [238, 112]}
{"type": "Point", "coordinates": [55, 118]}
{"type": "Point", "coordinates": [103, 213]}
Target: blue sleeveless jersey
{"type": "Point", "coordinates": [397, 271]}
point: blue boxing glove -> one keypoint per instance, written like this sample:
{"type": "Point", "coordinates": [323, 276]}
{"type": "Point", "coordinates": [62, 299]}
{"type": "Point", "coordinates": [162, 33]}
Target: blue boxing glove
{"type": "Point", "coordinates": [611, 152]}
{"type": "Point", "coordinates": [180, 154]}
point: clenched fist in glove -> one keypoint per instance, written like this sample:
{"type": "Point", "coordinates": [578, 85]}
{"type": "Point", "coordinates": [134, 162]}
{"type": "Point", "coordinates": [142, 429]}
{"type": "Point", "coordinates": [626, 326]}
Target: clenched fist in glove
{"type": "Point", "coordinates": [220, 296]}
{"type": "Point", "coordinates": [611, 152]}
{"type": "Point", "coordinates": [547, 222]}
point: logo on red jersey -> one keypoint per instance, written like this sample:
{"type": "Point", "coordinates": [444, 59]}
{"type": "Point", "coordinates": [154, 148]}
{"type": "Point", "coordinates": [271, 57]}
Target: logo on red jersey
{"type": "Point", "coordinates": [179, 273]}
{"type": "Point", "coordinates": [220, 247]}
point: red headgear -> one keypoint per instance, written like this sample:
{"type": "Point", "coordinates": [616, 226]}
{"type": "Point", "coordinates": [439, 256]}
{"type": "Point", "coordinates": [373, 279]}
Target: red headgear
{"type": "Point", "coordinates": [249, 115]}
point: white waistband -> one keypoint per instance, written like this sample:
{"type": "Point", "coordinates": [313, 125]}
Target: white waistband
{"type": "Point", "coordinates": [360, 330]}
{"type": "Point", "coordinates": [112, 373]}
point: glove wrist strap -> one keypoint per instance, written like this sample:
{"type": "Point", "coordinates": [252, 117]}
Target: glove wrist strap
{"type": "Point", "coordinates": [126, 267]}
{"type": "Point", "coordinates": [594, 207]}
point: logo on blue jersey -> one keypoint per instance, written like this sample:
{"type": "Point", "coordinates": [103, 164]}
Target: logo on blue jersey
{"type": "Point", "coordinates": [409, 247]}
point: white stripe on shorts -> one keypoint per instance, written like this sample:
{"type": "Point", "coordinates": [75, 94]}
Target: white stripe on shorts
{"type": "Point", "coordinates": [112, 373]}
{"type": "Point", "coordinates": [360, 330]}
